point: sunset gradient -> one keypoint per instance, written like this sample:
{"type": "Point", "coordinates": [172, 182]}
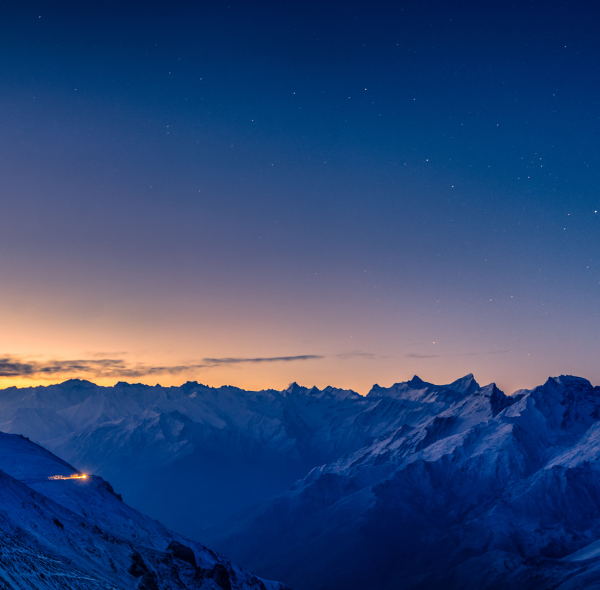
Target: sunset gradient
{"type": "Point", "coordinates": [254, 194]}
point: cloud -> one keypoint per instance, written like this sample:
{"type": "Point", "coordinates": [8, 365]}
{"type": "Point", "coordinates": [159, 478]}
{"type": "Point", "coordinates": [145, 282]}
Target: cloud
{"type": "Point", "coordinates": [11, 366]}
{"type": "Point", "coordinates": [14, 367]}
{"type": "Point", "coordinates": [355, 353]}
{"type": "Point", "coordinates": [100, 355]}
{"type": "Point", "coordinates": [272, 359]}
{"type": "Point", "coordinates": [416, 355]}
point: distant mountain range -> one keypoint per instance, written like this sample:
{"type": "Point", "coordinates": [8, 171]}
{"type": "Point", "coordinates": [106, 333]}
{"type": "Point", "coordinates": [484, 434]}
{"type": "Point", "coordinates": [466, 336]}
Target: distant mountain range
{"type": "Point", "coordinates": [413, 486]}
{"type": "Point", "coordinates": [212, 450]}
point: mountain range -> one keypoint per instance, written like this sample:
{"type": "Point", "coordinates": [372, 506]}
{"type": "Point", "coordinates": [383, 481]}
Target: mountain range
{"type": "Point", "coordinates": [412, 486]}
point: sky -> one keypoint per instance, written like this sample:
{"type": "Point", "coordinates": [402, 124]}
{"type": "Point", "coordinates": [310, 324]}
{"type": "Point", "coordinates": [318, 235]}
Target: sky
{"type": "Point", "coordinates": [333, 193]}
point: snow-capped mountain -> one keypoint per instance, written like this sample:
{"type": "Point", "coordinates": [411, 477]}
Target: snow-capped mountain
{"type": "Point", "coordinates": [61, 530]}
{"type": "Point", "coordinates": [488, 491]}
{"type": "Point", "coordinates": [413, 486]}
{"type": "Point", "coordinates": [217, 450]}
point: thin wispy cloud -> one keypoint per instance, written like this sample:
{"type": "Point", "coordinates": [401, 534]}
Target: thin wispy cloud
{"type": "Point", "coordinates": [101, 355]}
{"type": "Point", "coordinates": [271, 359]}
{"type": "Point", "coordinates": [355, 353]}
{"type": "Point", "coordinates": [12, 366]}
{"type": "Point", "coordinates": [416, 355]}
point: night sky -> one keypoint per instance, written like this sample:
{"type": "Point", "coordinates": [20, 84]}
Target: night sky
{"type": "Point", "coordinates": [334, 193]}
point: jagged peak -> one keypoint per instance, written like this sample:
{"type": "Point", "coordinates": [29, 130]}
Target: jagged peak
{"type": "Point", "coordinates": [193, 385]}
{"type": "Point", "coordinates": [568, 380]}
{"type": "Point", "coordinates": [125, 384]}
{"type": "Point", "coordinates": [329, 391]}
{"type": "Point", "coordinates": [562, 386]}
{"type": "Point", "coordinates": [399, 389]}
{"type": "Point", "coordinates": [499, 401]}
{"type": "Point", "coordinates": [294, 389]}
{"type": "Point", "coordinates": [417, 383]}
{"type": "Point", "coordinates": [571, 404]}
{"type": "Point", "coordinates": [567, 388]}
{"type": "Point", "coordinates": [466, 384]}
{"type": "Point", "coordinates": [341, 393]}
{"type": "Point", "coordinates": [77, 383]}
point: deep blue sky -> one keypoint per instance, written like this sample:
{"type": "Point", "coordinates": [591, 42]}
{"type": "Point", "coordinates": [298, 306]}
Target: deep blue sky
{"type": "Point", "coordinates": [348, 180]}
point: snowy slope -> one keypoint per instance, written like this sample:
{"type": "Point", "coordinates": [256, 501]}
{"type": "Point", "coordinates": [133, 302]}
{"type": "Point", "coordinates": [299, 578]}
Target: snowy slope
{"type": "Point", "coordinates": [61, 533]}
{"type": "Point", "coordinates": [24, 568]}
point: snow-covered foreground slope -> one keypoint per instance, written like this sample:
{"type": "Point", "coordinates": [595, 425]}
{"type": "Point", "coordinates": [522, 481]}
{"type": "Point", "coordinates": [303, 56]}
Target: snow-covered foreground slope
{"type": "Point", "coordinates": [489, 492]}
{"type": "Point", "coordinates": [78, 534]}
